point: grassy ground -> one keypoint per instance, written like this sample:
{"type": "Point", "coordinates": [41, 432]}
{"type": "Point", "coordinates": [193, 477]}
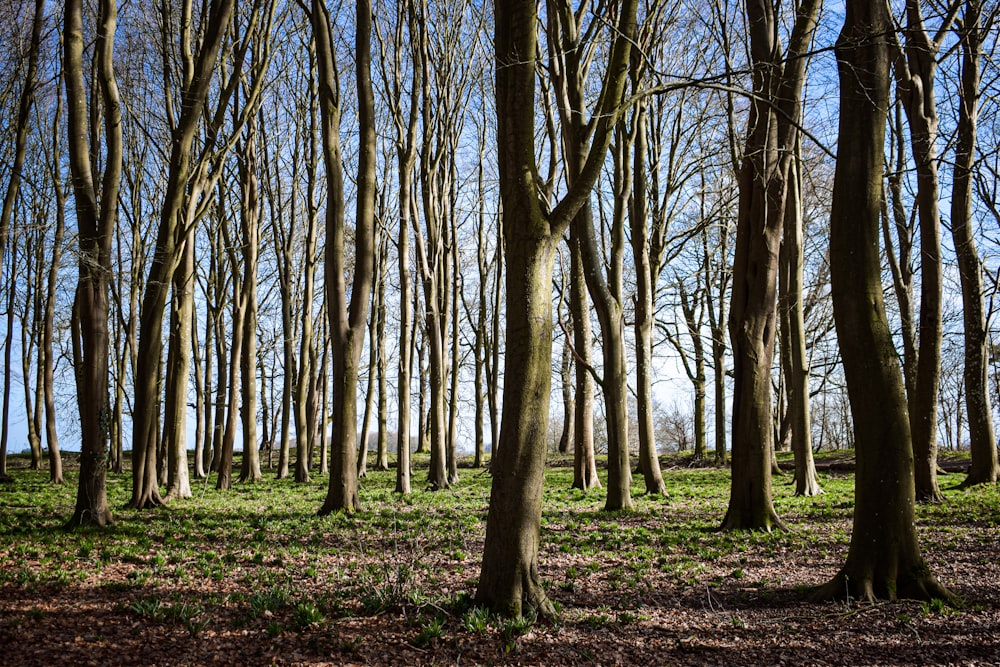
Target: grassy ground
{"type": "Point", "coordinates": [252, 576]}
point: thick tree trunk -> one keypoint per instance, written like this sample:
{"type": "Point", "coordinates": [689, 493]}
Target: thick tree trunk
{"type": "Point", "coordinates": [509, 581]}
{"type": "Point", "coordinates": [984, 468]}
{"type": "Point", "coordinates": [96, 223]}
{"type": "Point", "coordinates": [884, 558]}
{"type": "Point", "coordinates": [763, 195]}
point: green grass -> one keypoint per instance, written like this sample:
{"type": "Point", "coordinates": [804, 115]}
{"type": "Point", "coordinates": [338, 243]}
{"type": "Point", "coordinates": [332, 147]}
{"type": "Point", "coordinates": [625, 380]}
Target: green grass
{"type": "Point", "coordinates": [260, 553]}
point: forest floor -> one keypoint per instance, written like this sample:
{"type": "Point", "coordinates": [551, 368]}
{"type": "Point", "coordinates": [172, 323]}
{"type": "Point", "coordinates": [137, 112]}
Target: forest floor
{"type": "Point", "coordinates": [252, 577]}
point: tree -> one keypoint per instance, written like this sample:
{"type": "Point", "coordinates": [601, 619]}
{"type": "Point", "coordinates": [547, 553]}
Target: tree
{"type": "Point", "coordinates": [96, 216]}
{"type": "Point", "coordinates": [570, 52]}
{"type": "Point", "coordinates": [794, 363]}
{"type": "Point", "coordinates": [984, 468]}
{"type": "Point", "coordinates": [914, 66]}
{"type": "Point", "coordinates": [509, 581]}
{"type": "Point", "coordinates": [199, 67]}
{"type": "Point", "coordinates": [884, 558]}
{"type": "Point", "coordinates": [773, 125]}
{"type": "Point", "coordinates": [347, 321]}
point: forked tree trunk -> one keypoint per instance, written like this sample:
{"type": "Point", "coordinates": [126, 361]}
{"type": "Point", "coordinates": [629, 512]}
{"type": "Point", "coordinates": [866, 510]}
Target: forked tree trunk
{"type": "Point", "coordinates": [509, 582]}
{"type": "Point", "coordinates": [884, 560]}
{"type": "Point", "coordinates": [763, 194]}
{"type": "Point", "coordinates": [96, 222]}
{"type": "Point", "coordinates": [347, 322]}
{"type": "Point", "coordinates": [984, 468]}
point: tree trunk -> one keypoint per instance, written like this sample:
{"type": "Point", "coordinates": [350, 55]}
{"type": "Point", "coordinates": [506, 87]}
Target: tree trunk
{"type": "Point", "coordinates": [46, 348]}
{"type": "Point", "coordinates": [794, 360]}
{"type": "Point", "coordinates": [96, 222]}
{"type": "Point", "coordinates": [984, 468]}
{"type": "Point", "coordinates": [763, 195]}
{"type": "Point", "coordinates": [884, 560]}
{"type": "Point", "coordinates": [145, 488]}
{"type": "Point", "coordinates": [584, 459]}
{"type": "Point", "coordinates": [347, 322]}
{"type": "Point", "coordinates": [566, 437]}
{"type": "Point", "coordinates": [509, 581]}
{"type": "Point", "coordinates": [915, 77]}
{"type": "Point", "coordinates": [178, 369]}
{"type": "Point", "coordinates": [250, 243]}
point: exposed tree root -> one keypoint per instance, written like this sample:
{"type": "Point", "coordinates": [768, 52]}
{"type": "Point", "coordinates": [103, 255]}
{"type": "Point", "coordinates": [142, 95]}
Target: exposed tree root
{"type": "Point", "coordinates": [923, 587]}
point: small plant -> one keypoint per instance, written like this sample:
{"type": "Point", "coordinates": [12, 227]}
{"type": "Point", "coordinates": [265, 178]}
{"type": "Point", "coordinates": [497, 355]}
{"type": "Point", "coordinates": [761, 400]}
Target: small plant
{"type": "Point", "coordinates": [306, 614]}
{"type": "Point", "coordinates": [476, 620]}
{"type": "Point", "coordinates": [146, 607]}
{"type": "Point", "coordinates": [936, 607]}
{"type": "Point", "coordinates": [432, 629]}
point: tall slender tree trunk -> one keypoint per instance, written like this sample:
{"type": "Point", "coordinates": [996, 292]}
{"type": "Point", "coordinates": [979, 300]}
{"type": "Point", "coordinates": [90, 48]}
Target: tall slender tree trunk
{"type": "Point", "coordinates": [250, 242]}
{"type": "Point", "coordinates": [584, 458]}
{"type": "Point", "coordinates": [649, 462]}
{"type": "Point", "coordinates": [984, 468]}
{"type": "Point", "coordinates": [96, 219]}
{"type": "Point", "coordinates": [347, 321]}
{"type": "Point", "coordinates": [915, 81]}
{"type": "Point", "coordinates": [48, 319]}
{"type": "Point", "coordinates": [794, 360]}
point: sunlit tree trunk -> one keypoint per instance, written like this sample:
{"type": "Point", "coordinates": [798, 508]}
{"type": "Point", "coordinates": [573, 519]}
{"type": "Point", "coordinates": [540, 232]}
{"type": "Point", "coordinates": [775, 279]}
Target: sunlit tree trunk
{"type": "Point", "coordinates": [509, 581]}
{"type": "Point", "coordinates": [46, 350]}
{"type": "Point", "coordinates": [145, 486]}
{"type": "Point", "coordinates": [347, 321]}
{"type": "Point", "coordinates": [178, 368]}
{"type": "Point", "coordinates": [794, 360]}
{"type": "Point", "coordinates": [96, 219]}
{"type": "Point", "coordinates": [984, 468]}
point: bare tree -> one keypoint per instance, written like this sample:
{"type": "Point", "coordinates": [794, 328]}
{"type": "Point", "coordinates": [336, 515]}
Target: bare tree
{"type": "Point", "coordinates": [773, 124]}
{"type": "Point", "coordinates": [884, 559]}
{"type": "Point", "coordinates": [347, 321]}
{"type": "Point", "coordinates": [509, 581]}
{"type": "Point", "coordinates": [984, 468]}
{"type": "Point", "coordinates": [96, 219]}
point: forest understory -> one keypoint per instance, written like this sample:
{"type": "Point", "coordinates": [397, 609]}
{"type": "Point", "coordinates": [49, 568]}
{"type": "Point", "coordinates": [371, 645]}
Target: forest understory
{"type": "Point", "coordinates": [253, 577]}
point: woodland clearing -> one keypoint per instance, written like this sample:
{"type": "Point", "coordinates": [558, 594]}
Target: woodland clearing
{"type": "Point", "coordinates": [252, 577]}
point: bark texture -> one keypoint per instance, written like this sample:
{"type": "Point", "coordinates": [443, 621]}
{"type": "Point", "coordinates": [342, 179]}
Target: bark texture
{"type": "Point", "coordinates": [884, 560]}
